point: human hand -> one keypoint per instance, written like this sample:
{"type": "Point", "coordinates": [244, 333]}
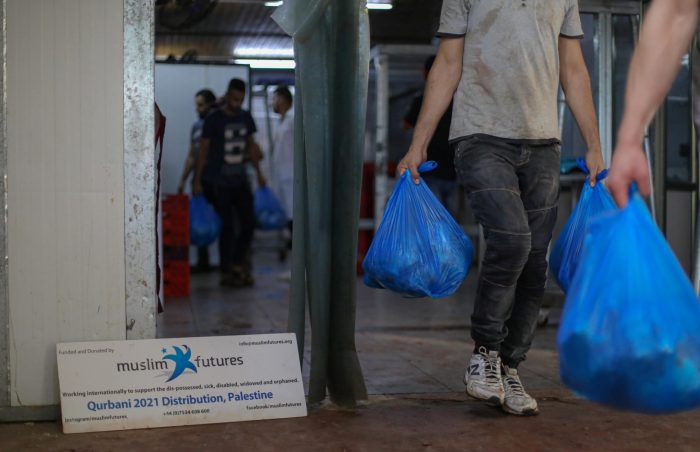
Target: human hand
{"type": "Point", "coordinates": [197, 188]}
{"type": "Point", "coordinates": [181, 188]}
{"type": "Point", "coordinates": [411, 161]}
{"type": "Point", "coordinates": [595, 164]}
{"type": "Point", "coordinates": [629, 165]}
{"type": "Point", "coordinates": [262, 182]}
{"type": "Point", "coordinates": [256, 154]}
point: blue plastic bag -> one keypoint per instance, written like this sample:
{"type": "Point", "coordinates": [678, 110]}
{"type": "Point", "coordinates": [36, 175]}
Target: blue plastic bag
{"type": "Point", "coordinates": [566, 252]}
{"type": "Point", "coordinates": [419, 250]}
{"type": "Point", "coordinates": [205, 224]}
{"type": "Point", "coordinates": [630, 331]}
{"type": "Point", "coordinates": [269, 214]}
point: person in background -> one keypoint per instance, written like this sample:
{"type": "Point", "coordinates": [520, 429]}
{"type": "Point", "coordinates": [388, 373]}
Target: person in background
{"type": "Point", "coordinates": [668, 29]}
{"type": "Point", "coordinates": [227, 145]}
{"type": "Point", "coordinates": [282, 170]}
{"type": "Point", "coordinates": [503, 64]}
{"type": "Point", "coordinates": [203, 101]}
{"type": "Point", "coordinates": [442, 180]}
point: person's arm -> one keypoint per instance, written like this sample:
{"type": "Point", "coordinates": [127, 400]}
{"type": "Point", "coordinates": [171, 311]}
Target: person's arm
{"type": "Point", "coordinates": [201, 163]}
{"type": "Point", "coordinates": [442, 83]}
{"type": "Point", "coordinates": [256, 156]}
{"type": "Point", "coordinates": [189, 168]}
{"type": "Point", "coordinates": [665, 37]}
{"type": "Point", "coordinates": [576, 84]}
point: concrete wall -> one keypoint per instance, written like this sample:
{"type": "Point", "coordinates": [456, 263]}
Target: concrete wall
{"type": "Point", "coordinates": [65, 184]}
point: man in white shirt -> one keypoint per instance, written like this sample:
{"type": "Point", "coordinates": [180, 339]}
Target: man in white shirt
{"type": "Point", "coordinates": [282, 171]}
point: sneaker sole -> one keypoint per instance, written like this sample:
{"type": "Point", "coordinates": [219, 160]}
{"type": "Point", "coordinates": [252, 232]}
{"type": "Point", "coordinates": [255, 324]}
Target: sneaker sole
{"type": "Point", "coordinates": [492, 401]}
{"type": "Point", "coordinates": [532, 412]}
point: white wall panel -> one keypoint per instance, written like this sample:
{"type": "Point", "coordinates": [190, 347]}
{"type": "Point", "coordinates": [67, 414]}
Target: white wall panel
{"type": "Point", "coordinates": [65, 184]}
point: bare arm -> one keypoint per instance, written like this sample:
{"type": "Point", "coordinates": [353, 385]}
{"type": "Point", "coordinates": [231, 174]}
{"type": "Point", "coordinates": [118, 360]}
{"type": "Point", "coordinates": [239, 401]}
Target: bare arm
{"type": "Point", "coordinates": [256, 156]}
{"type": "Point", "coordinates": [666, 34]}
{"type": "Point", "coordinates": [441, 86]}
{"type": "Point", "coordinates": [201, 162]}
{"type": "Point", "coordinates": [576, 84]}
{"type": "Point", "coordinates": [189, 168]}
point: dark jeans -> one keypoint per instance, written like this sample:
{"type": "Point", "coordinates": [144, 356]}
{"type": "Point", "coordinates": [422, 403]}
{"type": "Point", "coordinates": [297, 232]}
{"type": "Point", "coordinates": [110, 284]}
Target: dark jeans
{"type": "Point", "coordinates": [235, 207]}
{"type": "Point", "coordinates": [513, 190]}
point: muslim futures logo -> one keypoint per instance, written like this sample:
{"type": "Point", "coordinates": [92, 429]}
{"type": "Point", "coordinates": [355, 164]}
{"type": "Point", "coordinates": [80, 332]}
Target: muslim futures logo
{"type": "Point", "coordinates": [181, 360]}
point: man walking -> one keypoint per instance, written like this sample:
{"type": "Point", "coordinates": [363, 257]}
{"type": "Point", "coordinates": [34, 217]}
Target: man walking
{"type": "Point", "coordinates": [204, 102]}
{"type": "Point", "coordinates": [227, 145]}
{"type": "Point", "coordinates": [503, 60]}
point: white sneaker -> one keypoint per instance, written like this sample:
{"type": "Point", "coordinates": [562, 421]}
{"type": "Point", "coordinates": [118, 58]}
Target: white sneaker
{"type": "Point", "coordinates": [483, 377]}
{"type": "Point", "coordinates": [517, 401]}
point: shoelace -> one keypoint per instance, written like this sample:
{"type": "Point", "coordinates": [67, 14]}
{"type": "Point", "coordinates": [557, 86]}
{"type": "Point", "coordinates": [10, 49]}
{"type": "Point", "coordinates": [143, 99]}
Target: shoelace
{"type": "Point", "coordinates": [493, 377]}
{"type": "Point", "coordinates": [514, 386]}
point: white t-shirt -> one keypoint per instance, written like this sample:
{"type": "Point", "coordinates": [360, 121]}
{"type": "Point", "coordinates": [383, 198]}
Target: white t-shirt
{"type": "Point", "coordinates": [282, 171]}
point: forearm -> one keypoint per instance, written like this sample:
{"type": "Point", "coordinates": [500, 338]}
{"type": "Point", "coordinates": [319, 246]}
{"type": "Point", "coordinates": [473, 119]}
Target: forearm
{"type": "Point", "coordinates": [201, 162]}
{"type": "Point", "coordinates": [189, 168]}
{"type": "Point", "coordinates": [440, 88]}
{"type": "Point", "coordinates": [665, 38]}
{"type": "Point", "coordinates": [579, 97]}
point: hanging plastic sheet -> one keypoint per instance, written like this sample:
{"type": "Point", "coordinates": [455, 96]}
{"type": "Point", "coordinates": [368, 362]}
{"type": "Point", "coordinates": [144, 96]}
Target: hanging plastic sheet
{"type": "Point", "coordinates": [629, 334]}
{"type": "Point", "coordinates": [419, 250]}
{"type": "Point", "coordinates": [331, 49]}
{"type": "Point", "coordinates": [566, 252]}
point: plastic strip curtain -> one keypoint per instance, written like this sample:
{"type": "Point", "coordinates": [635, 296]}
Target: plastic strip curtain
{"type": "Point", "coordinates": [331, 43]}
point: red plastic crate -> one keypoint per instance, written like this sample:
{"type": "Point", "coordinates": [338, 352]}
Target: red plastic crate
{"type": "Point", "coordinates": [176, 278]}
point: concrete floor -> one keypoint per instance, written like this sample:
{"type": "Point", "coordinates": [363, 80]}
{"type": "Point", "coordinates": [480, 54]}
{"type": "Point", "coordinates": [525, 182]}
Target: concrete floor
{"type": "Point", "coordinates": [413, 353]}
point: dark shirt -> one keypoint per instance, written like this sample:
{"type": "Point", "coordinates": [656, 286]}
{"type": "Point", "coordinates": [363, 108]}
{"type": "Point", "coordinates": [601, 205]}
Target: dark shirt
{"type": "Point", "coordinates": [226, 160]}
{"type": "Point", "coordinates": [439, 148]}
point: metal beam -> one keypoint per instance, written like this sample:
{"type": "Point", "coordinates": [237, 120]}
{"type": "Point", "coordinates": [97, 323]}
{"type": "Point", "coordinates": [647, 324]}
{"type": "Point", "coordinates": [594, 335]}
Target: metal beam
{"type": "Point", "coordinates": [605, 75]}
{"type": "Point", "coordinates": [610, 6]}
{"type": "Point", "coordinates": [4, 270]}
{"type": "Point", "coordinates": [139, 170]}
{"type": "Point", "coordinates": [381, 64]}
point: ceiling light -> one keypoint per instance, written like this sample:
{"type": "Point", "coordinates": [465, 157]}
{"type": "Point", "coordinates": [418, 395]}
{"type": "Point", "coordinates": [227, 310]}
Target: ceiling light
{"type": "Point", "coordinates": [267, 64]}
{"type": "Point", "coordinates": [264, 52]}
{"type": "Point", "coordinates": [370, 5]}
{"type": "Point", "coordinates": [377, 5]}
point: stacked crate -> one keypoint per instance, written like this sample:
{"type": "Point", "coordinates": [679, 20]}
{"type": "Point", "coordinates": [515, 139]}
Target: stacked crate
{"type": "Point", "coordinates": [176, 245]}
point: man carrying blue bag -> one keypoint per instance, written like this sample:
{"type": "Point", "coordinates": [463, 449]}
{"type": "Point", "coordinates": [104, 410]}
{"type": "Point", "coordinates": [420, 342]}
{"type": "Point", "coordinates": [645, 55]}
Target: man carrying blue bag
{"type": "Point", "coordinates": [503, 61]}
{"type": "Point", "coordinates": [668, 29]}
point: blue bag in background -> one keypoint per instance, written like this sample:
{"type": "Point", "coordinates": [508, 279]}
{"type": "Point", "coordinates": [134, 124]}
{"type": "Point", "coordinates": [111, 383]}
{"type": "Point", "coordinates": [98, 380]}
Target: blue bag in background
{"type": "Point", "coordinates": [269, 214]}
{"type": "Point", "coordinates": [205, 224]}
{"type": "Point", "coordinates": [419, 250]}
{"type": "Point", "coordinates": [630, 332]}
{"type": "Point", "coordinates": [565, 255]}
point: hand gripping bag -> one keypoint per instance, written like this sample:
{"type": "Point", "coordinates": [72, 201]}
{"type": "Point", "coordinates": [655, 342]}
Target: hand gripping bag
{"type": "Point", "coordinates": [566, 253]}
{"type": "Point", "coordinates": [205, 224]}
{"type": "Point", "coordinates": [630, 332]}
{"type": "Point", "coordinates": [419, 250]}
{"type": "Point", "coordinates": [269, 214]}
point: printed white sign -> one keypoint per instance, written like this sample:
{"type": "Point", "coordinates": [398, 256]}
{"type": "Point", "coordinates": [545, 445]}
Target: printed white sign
{"type": "Point", "coordinates": [164, 382]}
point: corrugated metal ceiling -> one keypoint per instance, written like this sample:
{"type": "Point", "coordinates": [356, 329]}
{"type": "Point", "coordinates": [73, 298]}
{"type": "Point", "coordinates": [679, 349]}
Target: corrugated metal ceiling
{"type": "Point", "coordinates": [236, 25]}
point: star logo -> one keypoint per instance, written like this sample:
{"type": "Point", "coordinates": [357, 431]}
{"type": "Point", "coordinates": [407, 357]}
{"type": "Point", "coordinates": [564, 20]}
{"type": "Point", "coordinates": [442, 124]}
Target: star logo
{"type": "Point", "coordinates": [181, 360]}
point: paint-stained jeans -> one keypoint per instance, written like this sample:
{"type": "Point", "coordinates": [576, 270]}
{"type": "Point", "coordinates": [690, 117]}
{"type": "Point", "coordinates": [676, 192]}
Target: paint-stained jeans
{"type": "Point", "coordinates": [513, 190]}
